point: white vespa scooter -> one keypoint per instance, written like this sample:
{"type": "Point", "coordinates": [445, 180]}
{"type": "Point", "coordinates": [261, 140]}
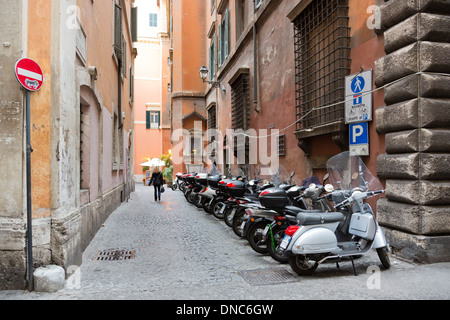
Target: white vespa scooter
{"type": "Point", "coordinates": [344, 233]}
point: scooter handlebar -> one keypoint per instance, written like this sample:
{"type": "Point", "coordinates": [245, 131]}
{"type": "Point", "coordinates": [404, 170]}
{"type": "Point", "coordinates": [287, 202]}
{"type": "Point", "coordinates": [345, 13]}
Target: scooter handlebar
{"type": "Point", "coordinates": [350, 199]}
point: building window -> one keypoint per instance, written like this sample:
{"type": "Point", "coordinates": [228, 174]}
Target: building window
{"type": "Point", "coordinates": [212, 134]}
{"type": "Point", "coordinates": [118, 31]}
{"type": "Point", "coordinates": [224, 37]}
{"type": "Point", "coordinates": [322, 60]}
{"type": "Point", "coordinates": [153, 21]}
{"type": "Point", "coordinates": [213, 5]}
{"type": "Point", "coordinates": [124, 57]}
{"type": "Point", "coordinates": [153, 119]}
{"type": "Point", "coordinates": [282, 145]}
{"type": "Point", "coordinates": [116, 143]}
{"type": "Point", "coordinates": [241, 17]}
{"type": "Point", "coordinates": [131, 85]}
{"type": "Point", "coordinates": [84, 147]}
{"type": "Point", "coordinates": [258, 3]}
{"type": "Point", "coordinates": [240, 111]}
{"type": "Point", "coordinates": [212, 58]}
{"type": "Point", "coordinates": [212, 123]}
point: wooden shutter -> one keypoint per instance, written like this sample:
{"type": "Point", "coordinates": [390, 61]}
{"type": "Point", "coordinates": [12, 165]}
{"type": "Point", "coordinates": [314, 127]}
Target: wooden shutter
{"type": "Point", "coordinates": [124, 57]}
{"type": "Point", "coordinates": [220, 44]}
{"type": "Point", "coordinates": [226, 36]}
{"type": "Point", "coordinates": [147, 120]}
{"type": "Point", "coordinates": [118, 31]}
{"type": "Point", "coordinates": [134, 15]}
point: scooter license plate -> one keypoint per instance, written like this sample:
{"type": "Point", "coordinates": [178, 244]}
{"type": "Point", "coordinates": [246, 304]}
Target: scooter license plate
{"type": "Point", "coordinates": [284, 244]}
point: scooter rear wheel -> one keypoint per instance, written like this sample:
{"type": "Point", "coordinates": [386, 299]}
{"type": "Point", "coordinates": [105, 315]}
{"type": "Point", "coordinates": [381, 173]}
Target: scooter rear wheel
{"type": "Point", "coordinates": [302, 265]}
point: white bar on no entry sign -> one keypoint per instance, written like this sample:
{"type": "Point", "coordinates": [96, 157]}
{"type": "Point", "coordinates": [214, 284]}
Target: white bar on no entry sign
{"type": "Point", "coordinates": [30, 74]}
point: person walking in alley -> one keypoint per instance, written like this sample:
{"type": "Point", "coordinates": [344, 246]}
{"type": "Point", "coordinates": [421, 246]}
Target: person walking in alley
{"type": "Point", "coordinates": [157, 180]}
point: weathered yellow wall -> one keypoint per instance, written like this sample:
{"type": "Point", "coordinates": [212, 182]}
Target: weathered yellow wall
{"type": "Point", "coordinates": [39, 45]}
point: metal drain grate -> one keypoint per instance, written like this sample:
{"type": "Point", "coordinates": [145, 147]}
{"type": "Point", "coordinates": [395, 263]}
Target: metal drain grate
{"type": "Point", "coordinates": [267, 276]}
{"type": "Point", "coordinates": [114, 255]}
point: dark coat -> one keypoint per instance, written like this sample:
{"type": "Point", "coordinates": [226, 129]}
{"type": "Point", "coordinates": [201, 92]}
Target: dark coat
{"type": "Point", "coordinates": [156, 179]}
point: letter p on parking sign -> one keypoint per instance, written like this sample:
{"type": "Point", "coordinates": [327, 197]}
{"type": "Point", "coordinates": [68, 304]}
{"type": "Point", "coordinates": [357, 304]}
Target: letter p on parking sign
{"type": "Point", "coordinates": [359, 139]}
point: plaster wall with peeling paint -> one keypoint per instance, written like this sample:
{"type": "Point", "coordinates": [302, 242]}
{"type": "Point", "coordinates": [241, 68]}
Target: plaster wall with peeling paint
{"type": "Point", "coordinates": [82, 159]}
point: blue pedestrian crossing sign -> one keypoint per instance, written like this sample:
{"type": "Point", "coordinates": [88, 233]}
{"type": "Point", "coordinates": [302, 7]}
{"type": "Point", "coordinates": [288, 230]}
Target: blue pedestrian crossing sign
{"type": "Point", "coordinates": [358, 97]}
{"type": "Point", "coordinates": [359, 139]}
{"type": "Point", "coordinates": [358, 84]}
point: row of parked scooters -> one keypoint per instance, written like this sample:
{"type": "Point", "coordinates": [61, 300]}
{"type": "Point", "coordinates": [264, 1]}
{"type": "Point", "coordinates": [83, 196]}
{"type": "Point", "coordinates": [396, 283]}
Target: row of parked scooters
{"type": "Point", "coordinates": [303, 225]}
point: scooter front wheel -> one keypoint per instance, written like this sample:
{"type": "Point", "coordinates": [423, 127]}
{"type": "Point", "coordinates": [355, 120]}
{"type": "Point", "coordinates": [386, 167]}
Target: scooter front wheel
{"type": "Point", "coordinates": [302, 265]}
{"type": "Point", "coordinates": [238, 219]}
{"type": "Point", "coordinates": [228, 216]}
{"type": "Point", "coordinates": [198, 201]}
{"type": "Point", "coordinates": [190, 196]}
{"type": "Point", "coordinates": [217, 209]}
{"type": "Point", "coordinates": [274, 240]}
{"type": "Point", "coordinates": [255, 237]}
{"type": "Point", "coordinates": [383, 254]}
{"type": "Point", "coordinates": [205, 204]}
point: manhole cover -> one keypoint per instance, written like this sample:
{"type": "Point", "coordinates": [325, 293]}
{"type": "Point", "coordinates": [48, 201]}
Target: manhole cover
{"type": "Point", "coordinates": [267, 276]}
{"type": "Point", "coordinates": [114, 254]}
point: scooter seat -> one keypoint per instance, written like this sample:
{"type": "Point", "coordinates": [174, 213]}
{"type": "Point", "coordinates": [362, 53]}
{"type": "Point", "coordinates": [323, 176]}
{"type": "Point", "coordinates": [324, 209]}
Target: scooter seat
{"type": "Point", "coordinates": [252, 196]}
{"type": "Point", "coordinates": [293, 210]}
{"type": "Point", "coordinates": [312, 218]}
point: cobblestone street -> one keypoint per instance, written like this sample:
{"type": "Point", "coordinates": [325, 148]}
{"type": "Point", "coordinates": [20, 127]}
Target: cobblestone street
{"type": "Point", "coordinates": [183, 253]}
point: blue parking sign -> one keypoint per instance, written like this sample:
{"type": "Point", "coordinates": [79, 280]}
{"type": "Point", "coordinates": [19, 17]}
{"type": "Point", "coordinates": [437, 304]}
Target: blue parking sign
{"type": "Point", "coordinates": [359, 133]}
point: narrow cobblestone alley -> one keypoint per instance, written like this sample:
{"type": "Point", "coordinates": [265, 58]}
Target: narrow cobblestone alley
{"type": "Point", "coordinates": [182, 253]}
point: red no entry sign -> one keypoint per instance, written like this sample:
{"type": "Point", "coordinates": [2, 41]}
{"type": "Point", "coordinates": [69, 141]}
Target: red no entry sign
{"type": "Point", "coordinates": [29, 74]}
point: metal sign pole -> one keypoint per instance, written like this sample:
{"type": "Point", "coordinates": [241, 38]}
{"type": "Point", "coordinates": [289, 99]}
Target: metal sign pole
{"type": "Point", "coordinates": [30, 76]}
{"type": "Point", "coordinates": [29, 212]}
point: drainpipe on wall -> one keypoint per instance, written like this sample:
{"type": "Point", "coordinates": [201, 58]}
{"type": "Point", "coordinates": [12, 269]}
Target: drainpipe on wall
{"type": "Point", "coordinates": [255, 61]}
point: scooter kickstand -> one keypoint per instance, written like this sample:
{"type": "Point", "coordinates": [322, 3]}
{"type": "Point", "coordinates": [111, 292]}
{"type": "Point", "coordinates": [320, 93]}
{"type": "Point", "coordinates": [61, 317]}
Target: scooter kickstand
{"type": "Point", "coordinates": [353, 264]}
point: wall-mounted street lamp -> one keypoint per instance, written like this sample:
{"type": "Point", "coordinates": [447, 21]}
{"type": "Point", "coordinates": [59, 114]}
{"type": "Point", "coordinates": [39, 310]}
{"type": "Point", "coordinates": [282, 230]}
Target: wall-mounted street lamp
{"type": "Point", "coordinates": [204, 74]}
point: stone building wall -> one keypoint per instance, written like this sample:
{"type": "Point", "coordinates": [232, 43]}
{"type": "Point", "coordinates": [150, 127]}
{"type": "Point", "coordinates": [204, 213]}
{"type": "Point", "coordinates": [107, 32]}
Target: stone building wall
{"type": "Point", "coordinates": [416, 124]}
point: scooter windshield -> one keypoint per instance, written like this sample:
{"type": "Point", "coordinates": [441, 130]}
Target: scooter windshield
{"type": "Point", "coordinates": [349, 172]}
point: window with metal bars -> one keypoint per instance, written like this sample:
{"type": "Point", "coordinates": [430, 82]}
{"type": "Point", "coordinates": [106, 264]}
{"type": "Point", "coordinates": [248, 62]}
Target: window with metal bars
{"type": "Point", "coordinates": [322, 60]}
{"type": "Point", "coordinates": [212, 134]}
{"type": "Point", "coordinates": [212, 123]}
{"type": "Point", "coordinates": [282, 145]}
{"type": "Point", "coordinates": [240, 110]}
{"type": "Point", "coordinates": [83, 145]}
